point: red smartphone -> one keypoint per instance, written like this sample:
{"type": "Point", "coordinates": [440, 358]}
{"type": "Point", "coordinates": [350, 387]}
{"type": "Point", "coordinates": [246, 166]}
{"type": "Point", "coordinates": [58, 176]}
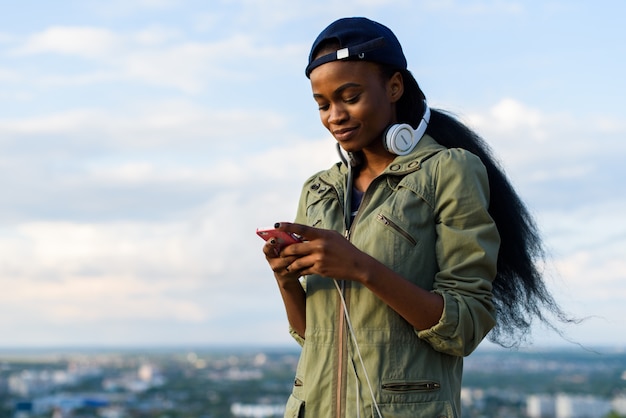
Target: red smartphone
{"type": "Point", "coordinates": [283, 238]}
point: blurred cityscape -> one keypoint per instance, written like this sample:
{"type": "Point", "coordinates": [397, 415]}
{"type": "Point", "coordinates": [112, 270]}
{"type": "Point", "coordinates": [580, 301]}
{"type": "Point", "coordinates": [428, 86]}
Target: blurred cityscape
{"type": "Point", "coordinates": [207, 383]}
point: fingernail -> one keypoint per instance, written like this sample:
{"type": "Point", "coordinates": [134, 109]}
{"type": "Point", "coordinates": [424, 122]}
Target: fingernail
{"type": "Point", "coordinates": [277, 224]}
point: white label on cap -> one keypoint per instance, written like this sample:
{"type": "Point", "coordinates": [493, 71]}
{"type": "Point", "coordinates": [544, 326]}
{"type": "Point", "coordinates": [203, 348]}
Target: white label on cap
{"type": "Point", "coordinates": [343, 53]}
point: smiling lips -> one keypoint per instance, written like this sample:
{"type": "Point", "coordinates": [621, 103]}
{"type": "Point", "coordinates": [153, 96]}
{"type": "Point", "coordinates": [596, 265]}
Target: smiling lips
{"type": "Point", "coordinates": [344, 134]}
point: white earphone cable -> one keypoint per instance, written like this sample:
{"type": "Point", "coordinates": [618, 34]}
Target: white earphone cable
{"type": "Point", "coordinates": [356, 345]}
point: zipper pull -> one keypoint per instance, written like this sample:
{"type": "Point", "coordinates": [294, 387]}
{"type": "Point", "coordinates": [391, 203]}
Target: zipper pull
{"type": "Point", "coordinates": [383, 219]}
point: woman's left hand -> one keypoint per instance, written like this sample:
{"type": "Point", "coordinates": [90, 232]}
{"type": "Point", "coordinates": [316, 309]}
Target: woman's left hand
{"type": "Point", "coordinates": [324, 252]}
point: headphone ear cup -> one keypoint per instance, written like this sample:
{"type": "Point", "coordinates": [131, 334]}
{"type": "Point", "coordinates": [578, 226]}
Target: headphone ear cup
{"type": "Point", "coordinates": [400, 139]}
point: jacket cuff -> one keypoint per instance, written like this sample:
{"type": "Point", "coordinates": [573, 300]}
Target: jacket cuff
{"type": "Point", "coordinates": [445, 336]}
{"type": "Point", "coordinates": [296, 337]}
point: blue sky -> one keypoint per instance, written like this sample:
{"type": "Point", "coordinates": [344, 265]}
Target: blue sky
{"type": "Point", "coordinates": [143, 141]}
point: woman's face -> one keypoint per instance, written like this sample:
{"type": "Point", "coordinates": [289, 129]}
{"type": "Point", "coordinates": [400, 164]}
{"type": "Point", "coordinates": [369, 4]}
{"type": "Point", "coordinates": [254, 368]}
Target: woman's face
{"type": "Point", "coordinates": [356, 103]}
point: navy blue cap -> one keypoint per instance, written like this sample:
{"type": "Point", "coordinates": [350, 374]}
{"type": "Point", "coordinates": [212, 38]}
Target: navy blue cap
{"type": "Point", "coordinates": [359, 38]}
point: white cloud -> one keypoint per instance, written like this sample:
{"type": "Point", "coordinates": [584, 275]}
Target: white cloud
{"type": "Point", "coordinates": [149, 125]}
{"type": "Point", "coordinates": [155, 55]}
{"type": "Point", "coordinates": [80, 299]}
{"type": "Point", "coordinates": [186, 269]}
{"type": "Point", "coordinates": [536, 144]}
{"type": "Point", "coordinates": [475, 8]}
{"type": "Point", "coordinates": [63, 248]}
{"type": "Point", "coordinates": [156, 35]}
{"type": "Point", "coordinates": [586, 270]}
{"type": "Point", "coordinates": [71, 271]}
{"type": "Point", "coordinates": [9, 76]}
{"type": "Point", "coordinates": [66, 122]}
{"type": "Point", "coordinates": [6, 38]}
{"type": "Point", "coordinates": [270, 13]}
{"type": "Point", "coordinates": [117, 8]}
{"type": "Point", "coordinates": [296, 161]}
{"type": "Point", "coordinates": [590, 224]}
{"type": "Point", "coordinates": [510, 115]}
{"type": "Point", "coordinates": [594, 276]}
{"type": "Point", "coordinates": [81, 41]}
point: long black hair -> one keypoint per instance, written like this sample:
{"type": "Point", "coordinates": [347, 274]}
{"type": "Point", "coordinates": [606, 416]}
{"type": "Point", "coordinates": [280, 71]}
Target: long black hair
{"type": "Point", "coordinates": [520, 295]}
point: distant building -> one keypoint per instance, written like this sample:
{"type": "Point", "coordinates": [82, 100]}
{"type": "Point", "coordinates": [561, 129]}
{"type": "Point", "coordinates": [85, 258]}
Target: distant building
{"type": "Point", "coordinates": [257, 411]}
{"type": "Point", "coordinates": [473, 398]}
{"type": "Point", "coordinates": [619, 404]}
{"type": "Point", "coordinates": [577, 406]}
{"type": "Point", "coordinates": [28, 383]}
{"type": "Point", "coordinates": [568, 406]}
{"type": "Point", "coordinates": [540, 406]}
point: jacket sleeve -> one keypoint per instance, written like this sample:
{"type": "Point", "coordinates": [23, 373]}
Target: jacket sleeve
{"type": "Point", "coordinates": [302, 218]}
{"type": "Point", "coordinates": [467, 252]}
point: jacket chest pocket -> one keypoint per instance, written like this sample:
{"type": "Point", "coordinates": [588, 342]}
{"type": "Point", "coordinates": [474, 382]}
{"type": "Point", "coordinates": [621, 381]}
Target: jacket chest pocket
{"type": "Point", "coordinates": [403, 232]}
{"type": "Point", "coordinates": [388, 222]}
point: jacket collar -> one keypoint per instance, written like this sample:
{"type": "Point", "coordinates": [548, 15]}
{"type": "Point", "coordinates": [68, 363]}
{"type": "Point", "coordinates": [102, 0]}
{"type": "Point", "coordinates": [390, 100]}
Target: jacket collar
{"type": "Point", "coordinates": [404, 164]}
{"type": "Point", "coordinates": [401, 165]}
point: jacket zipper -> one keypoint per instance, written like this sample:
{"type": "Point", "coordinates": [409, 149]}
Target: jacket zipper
{"type": "Point", "coordinates": [341, 346]}
{"type": "Point", "coordinates": [342, 367]}
{"type": "Point", "coordinates": [412, 386]}
{"type": "Point", "coordinates": [382, 218]}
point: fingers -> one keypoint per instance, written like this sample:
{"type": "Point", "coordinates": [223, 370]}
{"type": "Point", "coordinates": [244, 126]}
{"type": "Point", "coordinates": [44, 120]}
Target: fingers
{"type": "Point", "coordinates": [317, 254]}
{"type": "Point", "coordinates": [280, 263]}
{"type": "Point", "coordinates": [271, 248]}
{"type": "Point", "coordinates": [307, 232]}
{"type": "Point", "coordinates": [284, 267]}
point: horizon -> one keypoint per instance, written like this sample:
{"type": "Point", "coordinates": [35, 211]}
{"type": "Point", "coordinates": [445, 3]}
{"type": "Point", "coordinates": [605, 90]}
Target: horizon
{"type": "Point", "coordinates": [243, 348]}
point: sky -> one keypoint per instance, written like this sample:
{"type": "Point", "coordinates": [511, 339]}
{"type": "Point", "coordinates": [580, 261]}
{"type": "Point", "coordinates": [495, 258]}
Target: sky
{"type": "Point", "coordinates": [142, 142]}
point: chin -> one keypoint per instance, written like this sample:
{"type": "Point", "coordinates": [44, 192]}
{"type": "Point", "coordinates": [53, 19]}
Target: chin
{"type": "Point", "coordinates": [350, 147]}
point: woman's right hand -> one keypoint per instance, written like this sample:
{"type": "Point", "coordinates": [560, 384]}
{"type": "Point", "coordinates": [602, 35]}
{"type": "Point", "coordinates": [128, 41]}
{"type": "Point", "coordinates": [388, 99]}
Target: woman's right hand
{"type": "Point", "coordinates": [280, 263]}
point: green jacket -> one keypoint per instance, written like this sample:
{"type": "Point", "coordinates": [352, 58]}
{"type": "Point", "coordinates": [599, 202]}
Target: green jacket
{"type": "Point", "coordinates": [426, 218]}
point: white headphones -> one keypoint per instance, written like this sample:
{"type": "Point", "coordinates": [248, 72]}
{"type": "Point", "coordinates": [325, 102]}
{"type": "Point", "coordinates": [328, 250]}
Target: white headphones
{"type": "Point", "coordinates": [400, 139]}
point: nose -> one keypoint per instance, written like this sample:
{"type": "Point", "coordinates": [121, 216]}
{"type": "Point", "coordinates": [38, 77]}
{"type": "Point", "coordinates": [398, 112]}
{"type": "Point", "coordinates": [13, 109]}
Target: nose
{"type": "Point", "coordinates": [337, 115]}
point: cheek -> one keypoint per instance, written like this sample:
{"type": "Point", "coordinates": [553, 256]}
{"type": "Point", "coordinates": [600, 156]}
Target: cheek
{"type": "Point", "coordinates": [375, 121]}
{"type": "Point", "coordinates": [381, 117]}
{"type": "Point", "coordinates": [324, 120]}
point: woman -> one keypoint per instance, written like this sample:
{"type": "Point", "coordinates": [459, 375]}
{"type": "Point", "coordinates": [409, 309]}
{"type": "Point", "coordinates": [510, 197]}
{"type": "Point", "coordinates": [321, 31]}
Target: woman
{"type": "Point", "coordinates": [405, 262]}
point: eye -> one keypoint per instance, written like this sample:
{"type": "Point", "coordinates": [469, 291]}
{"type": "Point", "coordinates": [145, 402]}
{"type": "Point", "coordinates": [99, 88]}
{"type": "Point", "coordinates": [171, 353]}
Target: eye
{"type": "Point", "coordinates": [322, 103]}
{"type": "Point", "coordinates": [352, 99]}
{"type": "Point", "coordinates": [323, 107]}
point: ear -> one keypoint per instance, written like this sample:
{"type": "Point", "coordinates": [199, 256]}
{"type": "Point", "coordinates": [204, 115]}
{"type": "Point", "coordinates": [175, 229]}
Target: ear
{"type": "Point", "coordinates": [395, 87]}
